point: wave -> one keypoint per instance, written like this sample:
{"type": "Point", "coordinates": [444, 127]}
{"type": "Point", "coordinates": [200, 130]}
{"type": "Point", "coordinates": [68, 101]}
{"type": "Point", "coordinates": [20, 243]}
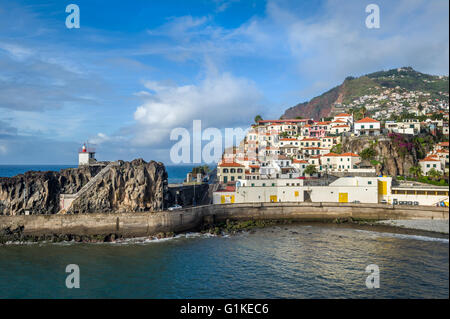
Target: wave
{"type": "Point", "coordinates": [404, 236]}
{"type": "Point", "coordinates": [120, 241]}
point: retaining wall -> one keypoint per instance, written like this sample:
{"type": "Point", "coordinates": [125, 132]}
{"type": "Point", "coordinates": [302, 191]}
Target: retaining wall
{"type": "Point", "coordinates": [146, 224]}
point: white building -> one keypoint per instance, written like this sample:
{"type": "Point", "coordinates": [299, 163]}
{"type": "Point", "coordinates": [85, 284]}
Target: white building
{"type": "Point", "coordinates": [343, 190]}
{"type": "Point", "coordinates": [429, 163]}
{"type": "Point", "coordinates": [367, 126]}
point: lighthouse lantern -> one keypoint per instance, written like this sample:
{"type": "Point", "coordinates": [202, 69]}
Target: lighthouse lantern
{"type": "Point", "coordinates": [86, 156]}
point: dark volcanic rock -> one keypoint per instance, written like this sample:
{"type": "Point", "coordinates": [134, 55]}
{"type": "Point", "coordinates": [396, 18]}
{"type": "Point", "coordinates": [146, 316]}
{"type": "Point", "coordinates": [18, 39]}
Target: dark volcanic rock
{"type": "Point", "coordinates": [130, 186]}
{"type": "Point", "coordinates": [39, 192]}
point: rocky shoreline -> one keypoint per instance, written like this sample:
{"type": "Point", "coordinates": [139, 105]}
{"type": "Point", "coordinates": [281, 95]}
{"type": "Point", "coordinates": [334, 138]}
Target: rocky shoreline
{"type": "Point", "coordinates": [229, 227]}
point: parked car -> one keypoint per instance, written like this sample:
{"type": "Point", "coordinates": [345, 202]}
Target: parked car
{"type": "Point", "coordinates": [383, 201]}
{"type": "Point", "coordinates": [175, 207]}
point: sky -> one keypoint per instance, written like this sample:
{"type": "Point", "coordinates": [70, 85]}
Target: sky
{"type": "Point", "coordinates": [136, 70]}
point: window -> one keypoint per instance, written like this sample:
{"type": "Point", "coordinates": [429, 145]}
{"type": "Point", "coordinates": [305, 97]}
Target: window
{"type": "Point", "coordinates": [253, 184]}
{"type": "Point", "coordinates": [264, 184]}
{"type": "Point", "coordinates": [273, 184]}
{"type": "Point", "coordinates": [225, 170]}
{"type": "Point", "coordinates": [239, 170]}
{"type": "Point", "coordinates": [362, 126]}
{"type": "Point", "coordinates": [369, 182]}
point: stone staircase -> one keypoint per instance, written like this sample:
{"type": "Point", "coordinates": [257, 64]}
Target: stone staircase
{"type": "Point", "coordinates": [69, 198]}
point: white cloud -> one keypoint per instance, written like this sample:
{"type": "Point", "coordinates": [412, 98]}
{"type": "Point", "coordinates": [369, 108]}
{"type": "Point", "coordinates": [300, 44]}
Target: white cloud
{"type": "Point", "coordinates": [16, 51]}
{"type": "Point", "coordinates": [3, 149]}
{"type": "Point", "coordinates": [220, 100]}
{"type": "Point", "coordinates": [335, 43]}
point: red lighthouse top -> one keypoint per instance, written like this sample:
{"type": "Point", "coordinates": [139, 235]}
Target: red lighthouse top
{"type": "Point", "coordinates": [85, 149]}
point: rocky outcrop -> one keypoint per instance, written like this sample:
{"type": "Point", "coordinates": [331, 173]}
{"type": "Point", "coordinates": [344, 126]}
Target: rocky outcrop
{"type": "Point", "coordinates": [38, 192]}
{"type": "Point", "coordinates": [135, 186]}
{"type": "Point", "coordinates": [394, 158]}
{"type": "Point", "coordinates": [130, 186]}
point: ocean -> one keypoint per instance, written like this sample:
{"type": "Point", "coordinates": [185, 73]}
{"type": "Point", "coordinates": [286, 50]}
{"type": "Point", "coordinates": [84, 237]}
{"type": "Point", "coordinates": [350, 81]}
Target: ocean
{"type": "Point", "coordinates": [177, 173]}
{"type": "Point", "coordinates": [294, 261]}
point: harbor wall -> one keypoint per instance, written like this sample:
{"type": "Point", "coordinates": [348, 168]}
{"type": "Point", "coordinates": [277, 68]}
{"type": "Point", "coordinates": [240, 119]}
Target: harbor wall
{"type": "Point", "coordinates": [190, 219]}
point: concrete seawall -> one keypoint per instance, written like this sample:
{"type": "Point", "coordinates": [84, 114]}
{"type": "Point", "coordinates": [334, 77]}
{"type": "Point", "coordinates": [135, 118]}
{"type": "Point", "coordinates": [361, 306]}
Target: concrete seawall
{"type": "Point", "coordinates": [147, 224]}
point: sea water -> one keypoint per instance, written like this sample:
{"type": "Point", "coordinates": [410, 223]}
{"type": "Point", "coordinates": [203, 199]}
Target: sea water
{"type": "Point", "coordinates": [295, 261]}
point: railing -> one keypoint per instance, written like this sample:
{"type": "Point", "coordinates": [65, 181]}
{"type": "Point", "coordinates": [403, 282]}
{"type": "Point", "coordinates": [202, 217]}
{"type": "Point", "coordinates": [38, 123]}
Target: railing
{"type": "Point", "coordinates": [88, 185]}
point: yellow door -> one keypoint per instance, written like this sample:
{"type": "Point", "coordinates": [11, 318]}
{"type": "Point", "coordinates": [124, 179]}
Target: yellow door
{"type": "Point", "coordinates": [273, 198]}
{"type": "Point", "coordinates": [222, 199]}
{"type": "Point", "coordinates": [382, 188]}
{"type": "Point", "coordinates": [296, 193]}
{"type": "Point", "coordinates": [343, 197]}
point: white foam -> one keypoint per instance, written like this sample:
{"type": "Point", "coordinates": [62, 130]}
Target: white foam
{"type": "Point", "coordinates": [404, 236]}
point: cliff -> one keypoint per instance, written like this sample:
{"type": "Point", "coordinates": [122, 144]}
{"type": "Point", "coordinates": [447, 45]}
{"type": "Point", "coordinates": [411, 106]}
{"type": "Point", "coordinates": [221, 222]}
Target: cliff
{"type": "Point", "coordinates": [317, 108]}
{"type": "Point", "coordinates": [394, 157]}
{"type": "Point", "coordinates": [128, 187]}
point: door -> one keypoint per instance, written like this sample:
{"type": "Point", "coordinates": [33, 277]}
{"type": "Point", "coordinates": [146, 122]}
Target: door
{"type": "Point", "coordinates": [273, 198]}
{"type": "Point", "coordinates": [382, 188]}
{"type": "Point", "coordinates": [343, 197]}
{"type": "Point", "coordinates": [225, 179]}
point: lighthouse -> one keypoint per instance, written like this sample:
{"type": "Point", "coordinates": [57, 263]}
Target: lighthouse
{"type": "Point", "coordinates": [86, 156]}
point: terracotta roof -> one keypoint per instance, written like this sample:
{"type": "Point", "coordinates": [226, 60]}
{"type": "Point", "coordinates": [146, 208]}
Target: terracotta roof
{"type": "Point", "coordinates": [227, 189]}
{"type": "Point", "coordinates": [342, 114]}
{"type": "Point", "coordinates": [300, 161]}
{"type": "Point", "coordinates": [344, 154]}
{"type": "Point", "coordinates": [350, 154]}
{"type": "Point", "coordinates": [232, 164]}
{"type": "Point", "coordinates": [288, 139]}
{"type": "Point", "coordinates": [429, 159]}
{"type": "Point", "coordinates": [367, 120]}
{"type": "Point", "coordinates": [341, 126]}
{"type": "Point", "coordinates": [310, 139]}
{"type": "Point", "coordinates": [284, 121]}
{"type": "Point", "coordinates": [331, 154]}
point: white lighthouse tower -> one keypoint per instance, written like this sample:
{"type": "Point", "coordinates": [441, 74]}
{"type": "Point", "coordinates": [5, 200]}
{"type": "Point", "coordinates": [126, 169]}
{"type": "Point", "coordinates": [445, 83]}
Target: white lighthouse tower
{"type": "Point", "coordinates": [86, 156]}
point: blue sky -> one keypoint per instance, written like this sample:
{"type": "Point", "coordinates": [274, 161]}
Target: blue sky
{"type": "Point", "coordinates": [137, 69]}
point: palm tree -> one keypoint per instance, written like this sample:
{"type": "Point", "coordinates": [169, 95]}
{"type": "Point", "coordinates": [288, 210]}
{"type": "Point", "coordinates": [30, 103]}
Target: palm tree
{"type": "Point", "coordinates": [363, 111]}
{"type": "Point", "coordinates": [310, 170]}
{"type": "Point", "coordinates": [434, 174]}
{"type": "Point", "coordinates": [416, 171]}
{"type": "Point", "coordinates": [258, 118]}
